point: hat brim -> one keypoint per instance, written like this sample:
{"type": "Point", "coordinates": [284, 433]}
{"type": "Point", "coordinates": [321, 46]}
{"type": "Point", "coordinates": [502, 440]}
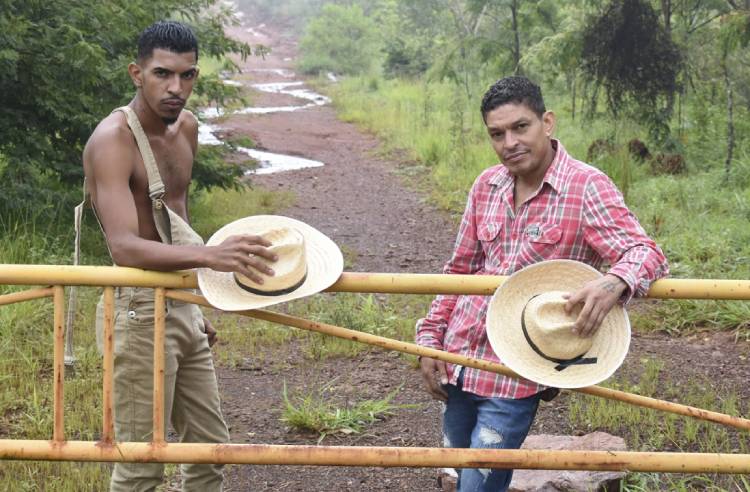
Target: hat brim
{"type": "Point", "coordinates": [325, 263]}
{"type": "Point", "coordinates": [609, 345]}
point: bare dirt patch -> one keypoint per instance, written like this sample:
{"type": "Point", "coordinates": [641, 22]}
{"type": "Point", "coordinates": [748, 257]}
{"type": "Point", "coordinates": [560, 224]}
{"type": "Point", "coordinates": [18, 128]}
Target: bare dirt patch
{"type": "Point", "coordinates": [383, 226]}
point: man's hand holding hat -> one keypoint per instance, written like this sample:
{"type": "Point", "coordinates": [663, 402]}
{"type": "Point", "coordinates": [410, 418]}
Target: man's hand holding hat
{"type": "Point", "coordinates": [598, 297]}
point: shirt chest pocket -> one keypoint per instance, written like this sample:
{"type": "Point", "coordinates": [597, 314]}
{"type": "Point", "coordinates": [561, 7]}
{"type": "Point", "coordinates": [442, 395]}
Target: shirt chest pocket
{"type": "Point", "coordinates": [487, 232]}
{"type": "Point", "coordinates": [541, 241]}
{"type": "Point", "coordinates": [490, 238]}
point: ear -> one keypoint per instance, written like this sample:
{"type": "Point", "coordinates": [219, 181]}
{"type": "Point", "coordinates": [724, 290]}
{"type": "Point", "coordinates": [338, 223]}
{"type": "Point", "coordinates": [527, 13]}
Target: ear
{"type": "Point", "coordinates": [136, 74]}
{"type": "Point", "coordinates": [548, 121]}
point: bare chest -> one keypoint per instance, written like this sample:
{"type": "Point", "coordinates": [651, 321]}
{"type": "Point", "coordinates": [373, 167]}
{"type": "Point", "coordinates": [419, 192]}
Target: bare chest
{"type": "Point", "coordinates": [174, 161]}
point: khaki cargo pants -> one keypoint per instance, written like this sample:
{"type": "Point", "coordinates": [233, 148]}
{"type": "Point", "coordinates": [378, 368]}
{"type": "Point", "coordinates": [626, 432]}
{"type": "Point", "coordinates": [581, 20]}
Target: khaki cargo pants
{"type": "Point", "coordinates": [191, 393]}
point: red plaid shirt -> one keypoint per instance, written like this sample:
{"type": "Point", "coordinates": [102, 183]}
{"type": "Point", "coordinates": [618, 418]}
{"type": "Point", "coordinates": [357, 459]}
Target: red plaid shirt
{"type": "Point", "coordinates": [576, 214]}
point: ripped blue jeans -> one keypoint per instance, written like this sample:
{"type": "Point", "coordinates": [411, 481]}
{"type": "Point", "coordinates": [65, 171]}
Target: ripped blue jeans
{"type": "Point", "coordinates": [471, 421]}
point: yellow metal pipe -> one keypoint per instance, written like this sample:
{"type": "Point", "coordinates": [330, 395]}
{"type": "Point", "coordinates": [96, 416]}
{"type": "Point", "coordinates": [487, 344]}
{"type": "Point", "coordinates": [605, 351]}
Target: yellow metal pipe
{"type": "Point", "coordinates": [160, 314]}
{"type": "Point", "coordinates": [416, 283]}
{"type": "Point", "coordinates": [26, 295]}
{"type": "Point", "coordinates": [100, 276]}
{"type": "Point", "coordinates": [262, 454]}
{"type": "Point", "coordinates": [414, 349]}
{"type": "Point", "coordinates": [108, 366]}
{"type": "Point", "coordinates": [388, 283]}
{"type": "Point", "coordinates": [58, 432]}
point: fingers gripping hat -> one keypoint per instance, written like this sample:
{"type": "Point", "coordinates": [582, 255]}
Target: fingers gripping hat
{"type": "Point", "coordinates": [531, 333]}
{"type": "Point", "coordinates": [308, 262]}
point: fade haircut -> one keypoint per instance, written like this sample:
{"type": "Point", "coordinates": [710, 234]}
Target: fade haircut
{"type": "Point", "coordinates": [513, 90]}
{"type": "Point", "coordinates": [167, 35]}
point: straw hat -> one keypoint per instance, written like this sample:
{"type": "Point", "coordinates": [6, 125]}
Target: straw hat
{"type": "Point", "coordinates": [308, 262]}
{"type": "Point", "coordinates": [530, 332]}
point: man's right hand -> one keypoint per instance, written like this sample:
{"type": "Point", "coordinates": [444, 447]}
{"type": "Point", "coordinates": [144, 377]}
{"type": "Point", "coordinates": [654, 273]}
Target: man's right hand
{"type": "Point", "coordinates": [435, 376]}
{"type": "Point", "coordinates": [242, 254]}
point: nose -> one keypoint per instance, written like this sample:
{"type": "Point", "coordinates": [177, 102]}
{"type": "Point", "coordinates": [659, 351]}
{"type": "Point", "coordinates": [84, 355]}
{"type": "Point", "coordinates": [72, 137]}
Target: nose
{"type": "Point", "coordinates": [175, 85]}
{"type": "Point", "coordinates": [509, 140]}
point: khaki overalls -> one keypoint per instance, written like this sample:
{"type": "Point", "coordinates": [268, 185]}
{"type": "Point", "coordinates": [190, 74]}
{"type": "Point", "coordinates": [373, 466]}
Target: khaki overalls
{"type": "Point", "coordinates": [191, 400]}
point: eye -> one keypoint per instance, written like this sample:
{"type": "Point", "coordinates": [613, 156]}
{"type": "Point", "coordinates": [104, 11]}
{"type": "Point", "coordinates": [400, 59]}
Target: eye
{"type": "Point", "coordinates": [189, 75]}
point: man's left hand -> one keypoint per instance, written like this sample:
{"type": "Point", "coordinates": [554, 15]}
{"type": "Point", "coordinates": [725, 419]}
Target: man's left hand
{"type": "Point", "coordinates": [210, 332]}
{"type": "Point", "coordinates": [598, 298]}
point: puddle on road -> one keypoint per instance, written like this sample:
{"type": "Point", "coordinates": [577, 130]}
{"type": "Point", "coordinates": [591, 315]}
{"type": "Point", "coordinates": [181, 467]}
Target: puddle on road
{"type": "Point", "coordinates": [206, 135]}
{"type": "Point", "coordinates": [283, 88]}
{"type": "Point", "coordinates": [273, 88]}
{"type": "Point", "coordinates": [269, 162]}
{"type": "Point", "coordinates": [278, 109]}
{"type": "Point", "coordinates": [275, 163]}
{"type": "Point", "coordinates": [281, 72]}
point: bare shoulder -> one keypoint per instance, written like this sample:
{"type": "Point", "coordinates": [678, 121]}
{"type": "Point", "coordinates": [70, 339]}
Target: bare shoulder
{"type": "Point", "coordinates": [189, 128]}
{"type": "Point", "coordinates": [110, 145]}
{"type": "Point", "coordinates": [189, 120]}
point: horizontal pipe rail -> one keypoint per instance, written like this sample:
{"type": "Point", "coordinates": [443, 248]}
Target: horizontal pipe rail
{"type": "Point", "coordinates": [410, 348]}
{"type": "Point", "coordinates": [26, 295]}
{"type": "Point", "coordinates": [389, 283]}
{"type": "Point", "coordinates": [264, 454]}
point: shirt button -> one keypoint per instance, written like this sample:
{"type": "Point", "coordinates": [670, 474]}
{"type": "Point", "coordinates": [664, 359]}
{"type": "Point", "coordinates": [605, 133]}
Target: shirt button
{"type": "Point", "coordinates": [131, 314]}
{"type": "Point", "coordinates": [158, 204]}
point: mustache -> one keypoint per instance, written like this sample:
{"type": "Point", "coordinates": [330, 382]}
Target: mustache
{"type": "Point", "coordinates": [173, 100]}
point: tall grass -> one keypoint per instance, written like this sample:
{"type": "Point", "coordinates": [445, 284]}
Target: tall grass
{"type": "Point", "coordinates": [26, 343]}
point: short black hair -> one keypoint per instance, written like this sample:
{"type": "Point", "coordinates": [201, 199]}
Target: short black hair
{"type": "Point", "coordinates": [514, 89]}
{"type": "Point", "coordinates": [167, 35]}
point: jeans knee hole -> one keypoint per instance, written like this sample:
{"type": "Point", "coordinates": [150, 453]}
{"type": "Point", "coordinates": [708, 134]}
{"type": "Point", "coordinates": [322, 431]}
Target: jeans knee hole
{"type": "Point", "coordinates": [490, 437]}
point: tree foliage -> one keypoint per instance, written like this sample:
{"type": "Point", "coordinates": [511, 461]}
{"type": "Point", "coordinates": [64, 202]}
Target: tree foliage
{"type": "Point", "coordinates": [63, 67]}
{"type": "Point", "coordinates": [628, 51]}
{"type": "Point", "coordinates": [342, 40]}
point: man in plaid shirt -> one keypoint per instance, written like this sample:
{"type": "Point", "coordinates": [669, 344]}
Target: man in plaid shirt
{"type": "Point", "coordinates": [538, 204]}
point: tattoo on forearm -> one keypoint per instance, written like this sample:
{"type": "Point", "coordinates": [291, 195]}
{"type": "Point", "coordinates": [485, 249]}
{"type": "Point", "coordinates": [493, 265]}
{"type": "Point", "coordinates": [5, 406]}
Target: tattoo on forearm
{"type": "Point", "coordinates": [610, 286]}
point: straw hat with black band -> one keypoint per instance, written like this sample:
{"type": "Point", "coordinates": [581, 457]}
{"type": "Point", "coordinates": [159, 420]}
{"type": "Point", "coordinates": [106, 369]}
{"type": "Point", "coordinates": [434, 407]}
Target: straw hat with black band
{"type": "Point", "coordinates": [531, 333]}
{"type": "Point", "coordinates": [308, 262]}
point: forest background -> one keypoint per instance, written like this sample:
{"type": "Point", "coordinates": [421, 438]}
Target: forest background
{"type": "Point", "coordinates": [656, 93]}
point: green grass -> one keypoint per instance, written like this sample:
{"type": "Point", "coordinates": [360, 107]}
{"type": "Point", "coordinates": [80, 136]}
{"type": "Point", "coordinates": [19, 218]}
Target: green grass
{"type": "Point", "coordinates": [210, 211]}
{"type": "Point", "coordinates": [388, 316]}
{"type": "Point", "coordinates": [649, 430]}
{"type": "Point", "coordinates": [312, 410]}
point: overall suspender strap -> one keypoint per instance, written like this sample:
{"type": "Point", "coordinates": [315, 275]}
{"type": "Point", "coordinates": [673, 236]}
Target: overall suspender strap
{"type": "Point", "coordinates": [156, 187]}
{"type": "Point", "coordinates": [70, 357]}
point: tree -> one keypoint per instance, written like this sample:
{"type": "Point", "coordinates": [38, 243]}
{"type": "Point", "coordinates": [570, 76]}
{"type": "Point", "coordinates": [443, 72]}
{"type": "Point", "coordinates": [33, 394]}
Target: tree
{"type": "Point", "coordinates": [341, 39]}
{"type": "Point", "coordinates": [629, 52]}
{"type": "Point", "coordinates": [63, 68]}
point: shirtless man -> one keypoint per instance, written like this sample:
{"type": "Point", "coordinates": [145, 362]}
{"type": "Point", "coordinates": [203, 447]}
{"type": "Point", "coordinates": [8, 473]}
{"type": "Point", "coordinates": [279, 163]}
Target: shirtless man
{"type": "Point", "coordinates": [138, 165]}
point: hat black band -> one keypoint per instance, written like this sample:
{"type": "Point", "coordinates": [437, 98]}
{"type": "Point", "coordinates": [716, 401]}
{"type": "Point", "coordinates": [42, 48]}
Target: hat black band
{"type": "Point", "coordinates": [272, 293]}
{"type": "Point", "coordinates": [561, 363]}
